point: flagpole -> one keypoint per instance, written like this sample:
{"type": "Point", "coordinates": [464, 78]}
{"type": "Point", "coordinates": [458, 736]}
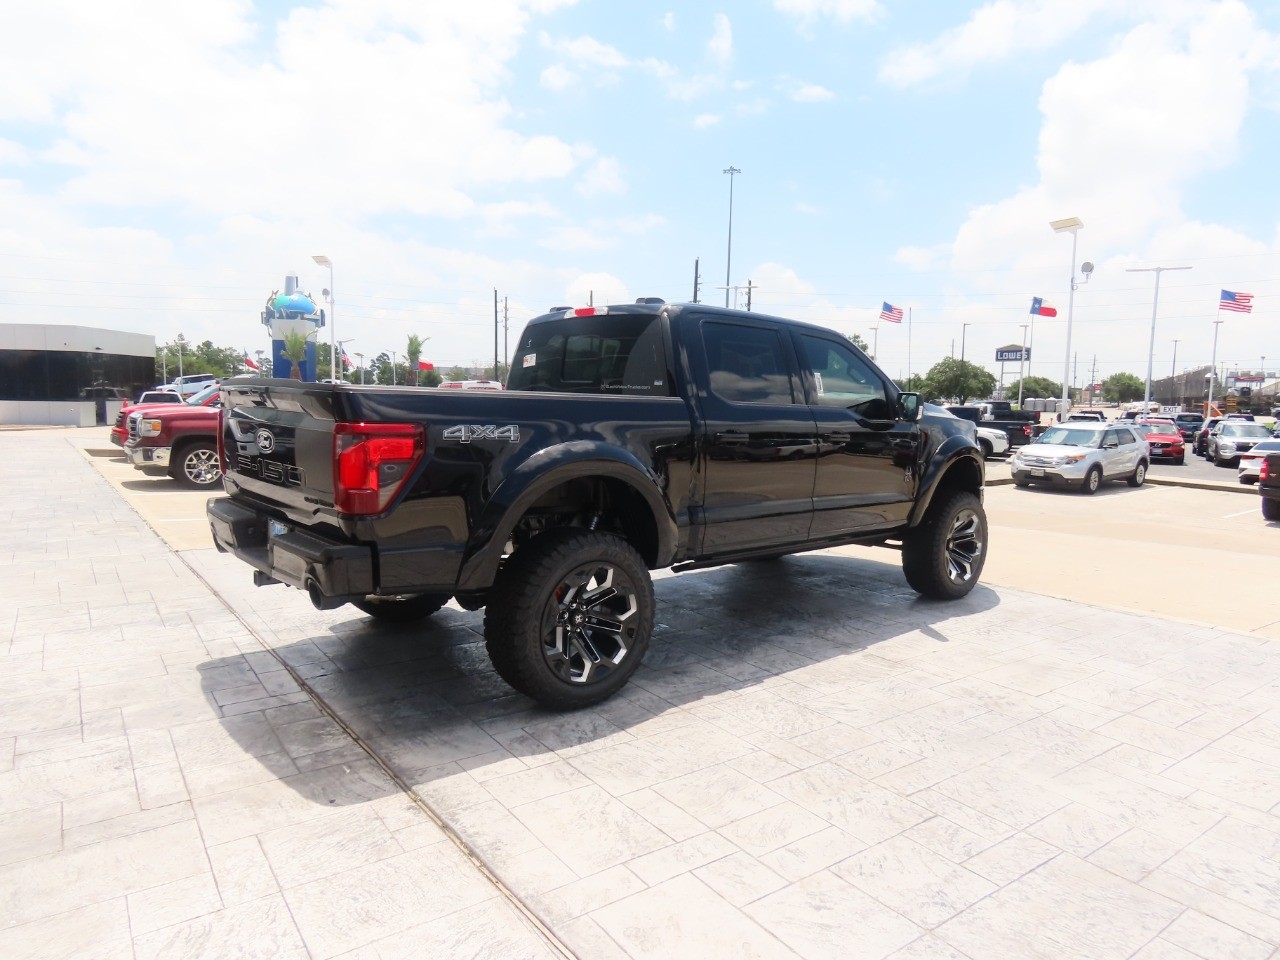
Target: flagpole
{"type": "Point", "coordinates": [1213, 364]}
{"type": "Point", "coordinates": [909, 374]}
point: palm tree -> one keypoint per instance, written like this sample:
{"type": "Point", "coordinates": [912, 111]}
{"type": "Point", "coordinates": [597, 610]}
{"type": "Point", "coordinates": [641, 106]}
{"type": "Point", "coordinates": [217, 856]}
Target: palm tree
{"type": "Point", "coordinates": [413, 353]}
{"type": "Point", "coordinates": [295, 350]}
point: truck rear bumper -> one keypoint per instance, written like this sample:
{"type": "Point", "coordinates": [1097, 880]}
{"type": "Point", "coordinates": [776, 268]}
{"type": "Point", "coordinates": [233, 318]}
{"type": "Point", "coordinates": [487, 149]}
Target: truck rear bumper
{"type": "Point", "coordinates": [332, 572]}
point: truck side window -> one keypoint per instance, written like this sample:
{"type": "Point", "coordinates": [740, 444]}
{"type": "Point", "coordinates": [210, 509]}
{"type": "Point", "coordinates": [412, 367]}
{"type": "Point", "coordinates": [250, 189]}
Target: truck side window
{"type": "Point", "coordinates": [747, 364]}
{"type": "Point", "coordinates": [843, 379]}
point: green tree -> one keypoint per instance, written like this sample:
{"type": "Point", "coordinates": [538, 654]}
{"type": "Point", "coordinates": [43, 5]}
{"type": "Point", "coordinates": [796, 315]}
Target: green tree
{"type": "Point", "coordinates": [1123, 388]}
{"type": "Point", "coordinates": [456, 373]}
{"type": "Point", "coordinates": [295, 351]}
{"type": "Point", "coordinates": [913, 384]}
{"type": "Point", "coordinates": [413, 354]}
{"type": "Point", "coordinates": [1041, 387]}
{"type": "Point", "coordinates": [952, 377]}
{"type": "Point", "coordinates": [857, 341]}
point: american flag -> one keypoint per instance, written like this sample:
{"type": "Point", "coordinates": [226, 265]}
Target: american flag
{"type": "Point", "coordinates": [1236, 302]}
{"type": "Point", "coordinates": [891, 314]}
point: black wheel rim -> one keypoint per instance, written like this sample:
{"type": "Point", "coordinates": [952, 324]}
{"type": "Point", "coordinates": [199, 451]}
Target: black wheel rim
{"type": "Point", "coordinates": [590, 623]}
{"type": "Point", "coordinates": [201, 466]}
{"type": "Point", "coordinates": [964, 547]}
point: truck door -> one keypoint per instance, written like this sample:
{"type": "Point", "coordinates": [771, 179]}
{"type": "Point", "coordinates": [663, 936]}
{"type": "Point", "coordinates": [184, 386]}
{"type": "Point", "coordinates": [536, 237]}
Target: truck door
{"type": "Point", "coordinates": [866, 456]}
{"type": "Point", "coordinates": [758, 439]}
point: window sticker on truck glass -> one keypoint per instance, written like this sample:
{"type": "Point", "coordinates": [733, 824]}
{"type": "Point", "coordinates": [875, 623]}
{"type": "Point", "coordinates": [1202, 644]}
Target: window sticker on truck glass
{"type": "Point", "coordinates": [530, 359]}
{"type": "Point", "coordinates": [818, 379]}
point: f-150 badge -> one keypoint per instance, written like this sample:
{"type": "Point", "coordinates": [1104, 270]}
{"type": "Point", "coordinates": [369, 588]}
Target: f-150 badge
{"type": "Point", "coordinates": [466, 432]}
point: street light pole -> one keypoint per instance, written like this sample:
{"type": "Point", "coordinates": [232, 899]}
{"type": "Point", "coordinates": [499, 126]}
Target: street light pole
{"type": "Point", "coordinates": [964, 332]}
{"type": "Point", "coordinates": [360, 357]}
{"type": "Point", "coordinates": [875, 340]}
{"type": "Point", "coordinates": [1155, 305]}
{"type": "Point", "coordinates": [1022, 363]}
{"type": "Point", "coordinates": [1173, 367]}
{"type": "Point", "coordinates": [1070, 225]}
{"type": "Point", "coordinates": [333, 326]}
{"type": "Point", "coordinates": [1213, 364]}
{"type": "Point", "coordinates": [728, 260]}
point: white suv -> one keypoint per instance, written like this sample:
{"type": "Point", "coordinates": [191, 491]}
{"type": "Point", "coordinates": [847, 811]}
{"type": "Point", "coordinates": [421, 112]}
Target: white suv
{"type": "Point", "coordinates": [192, 383]}
{"type": "Point", "coordinates": [1081, 456]}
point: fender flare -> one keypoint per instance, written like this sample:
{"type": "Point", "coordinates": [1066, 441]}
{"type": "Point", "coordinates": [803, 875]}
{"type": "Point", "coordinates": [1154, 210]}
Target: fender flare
{"type": "Point", "coordinates": [955, 453]}
{"type": "Point", "coordinates": [545, 470]}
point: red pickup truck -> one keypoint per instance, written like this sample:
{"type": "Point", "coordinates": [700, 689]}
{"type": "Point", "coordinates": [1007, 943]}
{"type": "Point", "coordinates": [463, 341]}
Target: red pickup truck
{"type": "Point", "coordinates": [179, 440]}
{"type": "Point", "coordinates": [120, 431]}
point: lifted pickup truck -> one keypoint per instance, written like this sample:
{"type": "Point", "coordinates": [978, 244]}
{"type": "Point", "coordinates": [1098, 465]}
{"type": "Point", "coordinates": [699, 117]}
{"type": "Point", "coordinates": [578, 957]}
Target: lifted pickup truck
{"type": "Point", "coordinates": [1269, 486]}
{"type": "Point", "coordinates": [629, 438]}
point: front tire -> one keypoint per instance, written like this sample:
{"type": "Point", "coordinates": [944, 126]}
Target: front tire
{"type": "Point", "coordinates": [401, 609]}
{"type": "Point", "coordinates": [1092, 481]}
{"type": "Point", "coordinates": [570, 617]}
{"type": "Point", "coordinates": [197, 466]}
{"type": "Point", "coordinates": [943, 556]}
{"type": "Point", "coordinates": [1139, 474]}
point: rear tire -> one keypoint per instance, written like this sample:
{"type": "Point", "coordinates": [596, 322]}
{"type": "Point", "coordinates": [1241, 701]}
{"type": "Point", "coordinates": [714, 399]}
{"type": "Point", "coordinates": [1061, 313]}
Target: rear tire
{"type": "Point", "coordinates": [1092, 481]}
{"type": "Point", "coordinates": [943, 556]}
{"type": "Point", "coordinates": [569, 618]}
{"type": "Point", "coordinates": [1270, 509]}
{"type": "Point", "coordinates": [401, 609]}
{"type": "Point", "coordinates": [1139, 474]}
{"type": "Point", "coordinates": [197, 465]}
{"type": "Point", "coordinates": [1249, 480]}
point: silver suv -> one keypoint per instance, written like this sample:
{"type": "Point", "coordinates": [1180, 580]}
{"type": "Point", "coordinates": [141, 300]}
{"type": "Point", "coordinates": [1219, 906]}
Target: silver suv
{"type": "Point", "coordinates": [1081, 456]}
{"type": "Point", "coordinates": [1230, 438]}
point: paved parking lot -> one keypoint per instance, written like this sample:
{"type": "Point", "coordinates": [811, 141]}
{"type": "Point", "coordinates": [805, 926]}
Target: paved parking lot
{"type": "Point", "coordinates": [813, 762]}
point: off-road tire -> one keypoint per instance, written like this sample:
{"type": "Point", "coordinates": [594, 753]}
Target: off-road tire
{"type": "Point", "coordinates": [1270, 509]}
{"type": "Point", "coordinates": [547, 636]}
{"type": "Point", "coordinates": [401, 609]}
{"type": "Point", "coordinates": [943, 556]}
{"type": "Point", "coordinates": [196, 465]}
{"type": "Point", "coordinates": [1092, 481]}
{"type": "Point", "coordinates": [1139, 474]}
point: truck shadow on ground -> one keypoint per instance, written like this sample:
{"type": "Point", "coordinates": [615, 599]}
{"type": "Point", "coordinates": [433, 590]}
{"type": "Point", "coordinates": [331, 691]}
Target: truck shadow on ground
{"type": "Point", "coordinates": [740, 656]}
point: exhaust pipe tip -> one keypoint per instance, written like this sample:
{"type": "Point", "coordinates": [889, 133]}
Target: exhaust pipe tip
{"type": "Point", "coordinates": [318, 598]}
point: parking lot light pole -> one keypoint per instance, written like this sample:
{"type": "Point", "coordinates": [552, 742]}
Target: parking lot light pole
{"type": "Point", "coordinates": [1213, 364]}
{"type": "Point", "coordinates": [728, 258]}
{"type": "Point", "coordinates": [1155, 305]}
{"type": "Point", "coordinates": [1071, 225]}
{"type": "Point", "coordinates": [1022, 363]}
{"type": "Point", "coordinates": [333, 327]}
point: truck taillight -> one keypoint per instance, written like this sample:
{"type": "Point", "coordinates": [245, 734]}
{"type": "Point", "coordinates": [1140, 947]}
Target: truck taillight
{"type": "Point", "coordinates": [1026, 431]}
{"type": "Point", "coordinates": [371, 462]}
{"type": "Point", "coordinates": [1264, 474]}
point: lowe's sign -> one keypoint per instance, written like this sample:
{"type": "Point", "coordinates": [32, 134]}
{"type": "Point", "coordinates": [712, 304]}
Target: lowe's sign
{"type": "Point", "coordinates": [1013, 354]}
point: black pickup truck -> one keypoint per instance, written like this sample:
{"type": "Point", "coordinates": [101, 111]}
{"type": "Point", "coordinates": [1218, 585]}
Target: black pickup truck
{"type": "Point", "coordinates": [630, 438]}
{"type": "Point", "coordinates": [1019, 428]}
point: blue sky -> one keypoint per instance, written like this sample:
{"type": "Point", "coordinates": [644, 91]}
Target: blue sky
{"type": "Point", "coordinates": [163, 166]}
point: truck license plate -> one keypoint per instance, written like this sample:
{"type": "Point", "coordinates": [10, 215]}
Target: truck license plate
{"type": "Point", "coordinates": [276, 528]}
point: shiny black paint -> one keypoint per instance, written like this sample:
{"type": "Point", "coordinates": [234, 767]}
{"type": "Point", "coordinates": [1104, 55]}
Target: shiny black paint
{"type": "Point", "coordinates": [717, 478]}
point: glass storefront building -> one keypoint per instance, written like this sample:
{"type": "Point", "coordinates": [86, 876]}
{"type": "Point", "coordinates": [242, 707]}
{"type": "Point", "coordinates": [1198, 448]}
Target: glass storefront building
{"type": "Point", "coordinates": [70, 375]}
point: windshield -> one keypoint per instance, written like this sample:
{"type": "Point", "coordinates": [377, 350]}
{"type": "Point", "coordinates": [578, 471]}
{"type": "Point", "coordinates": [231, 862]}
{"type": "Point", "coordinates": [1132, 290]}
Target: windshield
{"type": "Point", "coordinates": [618, 353]}
{"type": "Point", "coordinates": [1245, 430]}
{"type": "Point", "coordinates": [196, 399]}
{"type": "Point", "coordinates": [1071, 438]}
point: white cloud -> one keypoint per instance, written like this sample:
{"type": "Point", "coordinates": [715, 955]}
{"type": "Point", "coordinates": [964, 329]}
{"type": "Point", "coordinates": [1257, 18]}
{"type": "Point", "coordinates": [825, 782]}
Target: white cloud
{"type": "Point", "coordinates": [995, 31]}
{"type": "Point", "coordinates": [13, 154]}
{"type": "Point", "coordinates": [557, 77]}
{"type": "Point", "coordinates": [922, 258]}
{"type": "Point", "coordinates": [669, 22]}
{"type": "Point", "coordinates": [600, 288]}
{"type": "Point", "coordinates": [704, 120]}
{"type": "Point", "coordinates": [812, 93]}
{"type": "Point", "coordinates": [841, 11]}
{"type": "Point", "coordinates": [720, 46]}
{"type": "Point", "coordinates": [587, 51]}
{"type": "Point", "coordinates": [173, 105]}
{"type": "Point", "coordinates": [604, 177]}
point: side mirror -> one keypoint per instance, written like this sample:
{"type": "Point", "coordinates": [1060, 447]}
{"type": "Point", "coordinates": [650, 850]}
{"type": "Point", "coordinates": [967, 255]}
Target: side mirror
{"type": "Point", "coordinates": [910, 407]}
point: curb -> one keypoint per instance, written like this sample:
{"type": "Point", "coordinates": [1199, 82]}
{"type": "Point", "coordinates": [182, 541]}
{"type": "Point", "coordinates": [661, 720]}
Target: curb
{"type": "Point", "coordinates": [1159, 482]}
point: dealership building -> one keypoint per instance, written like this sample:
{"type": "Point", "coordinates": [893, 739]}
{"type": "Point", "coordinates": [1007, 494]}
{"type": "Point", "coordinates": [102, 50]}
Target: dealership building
{"type": "Point", "coordinates": [71, 375]}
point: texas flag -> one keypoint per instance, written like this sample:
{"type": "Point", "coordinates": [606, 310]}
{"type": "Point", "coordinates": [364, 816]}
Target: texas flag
{"type": "Point", "coordinates": [249, 363]}
{"type": "Point", "coordinates": [1043, 308]}
{"type": "Point", "coordinates": [426, 365]}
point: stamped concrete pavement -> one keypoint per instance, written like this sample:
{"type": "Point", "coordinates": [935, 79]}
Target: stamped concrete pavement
{"type": "Point", "coordinates": [813, 762]}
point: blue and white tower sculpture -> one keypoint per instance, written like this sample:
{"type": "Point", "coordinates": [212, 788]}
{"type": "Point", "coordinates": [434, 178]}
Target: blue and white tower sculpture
{"type": "Point", "coordinates": [292, 312]}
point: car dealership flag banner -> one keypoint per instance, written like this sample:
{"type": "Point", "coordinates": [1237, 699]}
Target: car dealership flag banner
{"type": "Point", "coordinates": [1236, 302]}
{"type": "Point", "coordinates": [1042, 308]}
{"type": "Point", "coordinates": [249, 363]}
{"type": "Point", "coordinates": [891, 314]}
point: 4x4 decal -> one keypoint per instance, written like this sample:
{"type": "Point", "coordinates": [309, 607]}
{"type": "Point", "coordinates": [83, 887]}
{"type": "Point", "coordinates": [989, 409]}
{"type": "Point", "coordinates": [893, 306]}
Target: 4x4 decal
{"type": "Point", "coordinates": [466, 432]}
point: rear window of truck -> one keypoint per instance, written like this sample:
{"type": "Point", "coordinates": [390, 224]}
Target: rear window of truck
{"type": "Point", "coordinates": [616, 353]}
